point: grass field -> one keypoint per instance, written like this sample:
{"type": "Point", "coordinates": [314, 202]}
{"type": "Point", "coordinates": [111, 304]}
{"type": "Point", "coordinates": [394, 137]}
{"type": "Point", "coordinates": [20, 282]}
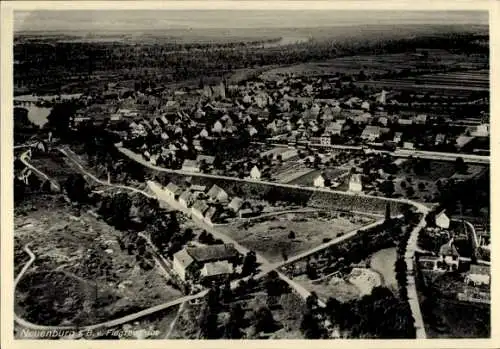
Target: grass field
{"type": "Point", "coordinates": [270, 237]}
{"type": "Point", "coordinates": [62, 241]}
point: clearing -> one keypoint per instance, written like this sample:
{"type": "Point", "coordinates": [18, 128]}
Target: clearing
{"type": "Point", "coordinates": [270, 236]}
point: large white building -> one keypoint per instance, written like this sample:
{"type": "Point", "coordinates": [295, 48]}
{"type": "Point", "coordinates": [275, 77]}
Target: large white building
{"type": "Point", "coordinates": [355, 184]}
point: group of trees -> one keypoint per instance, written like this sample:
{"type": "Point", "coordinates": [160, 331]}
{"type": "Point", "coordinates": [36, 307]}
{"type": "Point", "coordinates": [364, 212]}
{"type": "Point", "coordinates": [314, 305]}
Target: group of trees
{"type": "Point", "coordinates": [378, 315]}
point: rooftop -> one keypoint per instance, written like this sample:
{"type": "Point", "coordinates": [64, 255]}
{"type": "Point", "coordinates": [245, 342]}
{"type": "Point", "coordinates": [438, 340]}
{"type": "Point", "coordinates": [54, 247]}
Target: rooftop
{"type": "Point", "coordinates": [212, 253]}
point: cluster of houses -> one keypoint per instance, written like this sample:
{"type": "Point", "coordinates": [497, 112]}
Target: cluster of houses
{"type": "Point", "coordinates": [201, 204]}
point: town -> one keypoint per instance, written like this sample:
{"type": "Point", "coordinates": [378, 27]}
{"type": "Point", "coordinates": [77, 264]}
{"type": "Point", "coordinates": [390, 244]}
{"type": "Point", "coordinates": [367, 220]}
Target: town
{"type": "Point", "coordinates": [342, 191]}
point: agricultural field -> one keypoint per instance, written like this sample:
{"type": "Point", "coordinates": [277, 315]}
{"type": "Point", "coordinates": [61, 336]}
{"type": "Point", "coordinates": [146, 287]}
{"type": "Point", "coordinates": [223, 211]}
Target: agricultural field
{"type": "Point", "coordinates": [377, 65]}
{"type": "Point", "coordinates": [80, 256]}
{"type": "Point", "coordinates": [273, 239]}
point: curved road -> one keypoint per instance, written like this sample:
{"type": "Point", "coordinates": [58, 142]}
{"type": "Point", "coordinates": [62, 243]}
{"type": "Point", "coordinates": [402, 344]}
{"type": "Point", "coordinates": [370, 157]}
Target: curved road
{"type": "Point", "coordinates": [266, 265]}
{"type": "Point", "coordinates": [53, 183]}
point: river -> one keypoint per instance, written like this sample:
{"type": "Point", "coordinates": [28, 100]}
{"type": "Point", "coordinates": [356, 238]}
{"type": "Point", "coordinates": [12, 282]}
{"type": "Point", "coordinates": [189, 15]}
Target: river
{"type": "Point", "coordinates": [36, 114]}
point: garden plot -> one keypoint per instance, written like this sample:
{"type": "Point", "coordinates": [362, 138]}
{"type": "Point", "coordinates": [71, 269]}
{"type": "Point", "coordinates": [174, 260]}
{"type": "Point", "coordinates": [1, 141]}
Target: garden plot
{"type": "Point", "coordinates": [273, 238]}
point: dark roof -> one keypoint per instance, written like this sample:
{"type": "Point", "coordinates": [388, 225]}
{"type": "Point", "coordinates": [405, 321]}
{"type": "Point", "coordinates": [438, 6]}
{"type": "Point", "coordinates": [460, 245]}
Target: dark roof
{"type": "Point", "coordinates": [212, 253]}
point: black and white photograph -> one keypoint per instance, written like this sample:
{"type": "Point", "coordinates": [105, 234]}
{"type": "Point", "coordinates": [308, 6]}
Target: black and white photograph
{"type": "Point", "coordinates": [250, 174]}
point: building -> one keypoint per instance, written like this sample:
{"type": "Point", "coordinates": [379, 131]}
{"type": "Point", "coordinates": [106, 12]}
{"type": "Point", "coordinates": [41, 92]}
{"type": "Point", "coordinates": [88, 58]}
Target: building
{"type": "Point", "coordinates": [442, 220]}
{"type": "Point", "coordinates": [186, 198]}
{"type": "Point", "coordinates": [335, 128]}
{"type": "Point", "coordinates": [192, 261]}
{"type": "Point", "coordinates": [255, 173]}
{"type": "Point", "coordinates": [408, 145]}
{"type": "Point", "coordinates": [421, 119]}
{"type": "Point", "coordinates": [449, 256]}
{"type": "Point", "coordinates": [371, 133]}
{"type": "Point", "coordinates": [207, 159]}
{"type": "Point", "coordinates": [210, 215]}
{"type": "Point", "coordinates": [319, 181]}
{"type": "Point", "coordinates": [482, 130]}
{"type": "Point", "coordinates": [183, 265]}
{"type": "Point", "coordinates": [172, 190]}
{"type": "Point", "coordinates": [235, 204]}
{"type": "Point", "coordinates": [355, 184]}
{"type": "Point", "coordinates": [190, 166]}
{"type": "Point", "coordinates": [325, 139]}
{"type": "Point", "coordinates": [199, 208]}
{"type": "Point", "coordinates": [478, 275]}
{"type": "Point", "coordinates": [397, 137]}
{"type": "Point", "coordinates": [218, 194]}
{"type": "Point", "coordinates": [216, 271]}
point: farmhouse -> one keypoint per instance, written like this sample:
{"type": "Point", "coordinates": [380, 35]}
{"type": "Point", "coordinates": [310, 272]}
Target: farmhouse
{"type": "Point", "coordinates": [205, 260]}
{"type": "Point", "coordinates": [216, 271]}
{"type": "Point", "coordinates": [218, 194]}
{"type": "Point", "coordinates": [355, 184]}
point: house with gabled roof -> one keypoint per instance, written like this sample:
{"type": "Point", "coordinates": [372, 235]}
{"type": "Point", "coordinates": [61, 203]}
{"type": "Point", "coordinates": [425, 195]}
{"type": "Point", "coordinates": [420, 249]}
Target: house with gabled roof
{"type": "Point", "coordinates": [190, 166]}
{"type": "Point", "coordinates": [186, 198]}
{"type": "Point", "coordinates": [199, 208]}
{"type": "Point", "coordinates": [172, 190]}
{"type": "Point", "coordinates": [210, 215]}
{"type": "Point", "coordinates": [218, 194]}
{"type": "Point", "coordinates": [235, 204]}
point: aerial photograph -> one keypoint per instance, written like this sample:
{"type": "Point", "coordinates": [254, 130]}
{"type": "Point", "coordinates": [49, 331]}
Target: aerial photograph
{"type": "Point", "coordinates": [251, 174]}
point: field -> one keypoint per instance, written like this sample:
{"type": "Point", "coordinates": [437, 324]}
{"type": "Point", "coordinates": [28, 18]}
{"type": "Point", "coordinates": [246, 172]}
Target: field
{"type": "Point", "coordinates": [379, 64]}
{"type": "Point", "coordinates": [94, 288]}
{"type": "Point", "coordinates": [270, 237]}
{"type": "Point", "coordinates": [335, 287]}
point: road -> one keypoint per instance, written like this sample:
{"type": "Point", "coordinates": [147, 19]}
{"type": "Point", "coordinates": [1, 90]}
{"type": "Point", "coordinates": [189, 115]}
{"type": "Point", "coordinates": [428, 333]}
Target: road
{"type": "Point", "coordinates": [137, 158]}
{"type": "Point", "coordinates": [53, 183]}
{"type": "Point", "coordinates": [266, 266]}
{"type": "Point", "coordinates": [400, 152]}
{"type": "Point", "coordinates": [411, 288]}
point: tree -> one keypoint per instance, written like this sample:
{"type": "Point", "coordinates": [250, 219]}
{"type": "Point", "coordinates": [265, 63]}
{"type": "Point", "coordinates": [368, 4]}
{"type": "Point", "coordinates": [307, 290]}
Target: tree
{"type": "Point", "coordinates": [60, 117]}
{"type": "Point", "coordinates": [232, 328]}
{"type": "Point", "coordinates": [387, 187]}
{"type": "Point", "coordinates": [264, 320]}
{"type": "Point", "coordinates": [249, 263]}
{"type": "Point", "coordinates": [291, 235]}
{"type": "Point", "coordinates": [460, 165]}
{"type": "Point", "coordinates": [310, 327]}
{"type": "Point", "coordinates": [388, 213]}
{"type": "Point", "coordinates": [207, 323]}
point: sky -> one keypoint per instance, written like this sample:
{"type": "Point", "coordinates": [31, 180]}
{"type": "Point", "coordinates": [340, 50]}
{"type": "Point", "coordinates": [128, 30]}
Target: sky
{"type": "Point", "coordinates": [129, 20]}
